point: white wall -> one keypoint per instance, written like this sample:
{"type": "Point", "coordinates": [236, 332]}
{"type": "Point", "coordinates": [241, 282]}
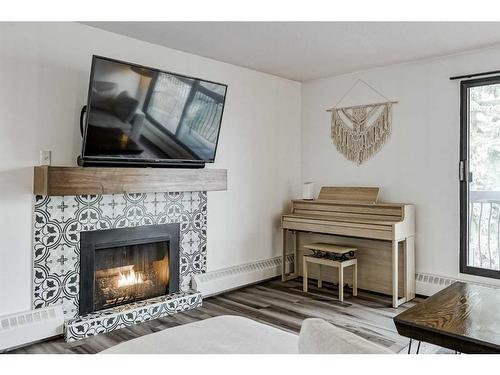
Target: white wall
{"type": "Point", "coordinates": [44, 72]}
{"type": "Point", "coordinates": [419, 163]}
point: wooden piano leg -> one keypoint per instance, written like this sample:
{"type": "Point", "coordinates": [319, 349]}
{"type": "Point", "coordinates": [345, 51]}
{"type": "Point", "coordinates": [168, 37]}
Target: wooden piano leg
{"type": "Point", "coordinates": [395, 264]}
{"type": "Point", "coordinates": [355, 279]}
{"type": "Point", "coordinates": [320, 281]}
{"type": "Point", "coordinates": [283, 258]}
{"type": "Point", "coordinates": [304, 275]}
{"type": "Point", "coordinates": [296, 253]}
{"type": "Point", "coordinates": [410, 268]}
{"type": "Point", "coordinates": [341, 282]}
{"type": "Point", "coordinates": [294, 274]}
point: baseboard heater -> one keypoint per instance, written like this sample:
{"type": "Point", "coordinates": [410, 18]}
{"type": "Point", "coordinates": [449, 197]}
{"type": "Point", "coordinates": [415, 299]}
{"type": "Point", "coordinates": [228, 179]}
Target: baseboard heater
{"type": "Point", "coordinates": [30, 326]}
{"type": "Point", "coordinates": [216, 282]}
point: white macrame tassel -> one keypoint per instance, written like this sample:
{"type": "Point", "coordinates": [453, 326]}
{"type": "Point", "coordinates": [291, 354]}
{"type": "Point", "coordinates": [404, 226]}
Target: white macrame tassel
{"type": "Point", "coordinates": [361, 142]}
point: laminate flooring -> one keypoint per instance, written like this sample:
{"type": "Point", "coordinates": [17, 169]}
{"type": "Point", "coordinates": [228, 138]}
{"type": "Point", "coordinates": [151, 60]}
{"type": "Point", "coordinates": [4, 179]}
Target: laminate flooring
{"type": "Point", "coordinates": [279, 304]}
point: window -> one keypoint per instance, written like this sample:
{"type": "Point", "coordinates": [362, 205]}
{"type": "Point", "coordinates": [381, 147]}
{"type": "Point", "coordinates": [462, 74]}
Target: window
{"type": "Point", "coordinates": [480, 177]}
{"type": "Point", "coordinates": [189, 110]}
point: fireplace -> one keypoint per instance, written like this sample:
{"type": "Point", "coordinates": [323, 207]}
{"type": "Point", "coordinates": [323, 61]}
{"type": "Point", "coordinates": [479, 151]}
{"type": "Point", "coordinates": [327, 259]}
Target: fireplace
{"type": "Point", "coordinates": [120, 266]}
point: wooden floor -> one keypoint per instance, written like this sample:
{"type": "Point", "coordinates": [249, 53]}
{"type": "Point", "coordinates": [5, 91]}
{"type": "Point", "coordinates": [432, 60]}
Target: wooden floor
{"type": "Point", "coordinates": [275, 303]}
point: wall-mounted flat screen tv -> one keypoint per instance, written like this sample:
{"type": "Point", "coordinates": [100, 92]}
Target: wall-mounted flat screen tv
{"type": "Point", "coordinates": [138, 115]}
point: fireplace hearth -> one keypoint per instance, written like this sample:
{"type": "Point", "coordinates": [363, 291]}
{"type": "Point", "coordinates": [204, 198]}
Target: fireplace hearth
{"type": "Point", "coordinates": [121, 266]}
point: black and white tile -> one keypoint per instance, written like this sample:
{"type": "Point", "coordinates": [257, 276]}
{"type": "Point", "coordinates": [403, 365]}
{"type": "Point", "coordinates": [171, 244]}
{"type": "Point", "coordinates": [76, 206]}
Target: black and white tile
{"type": "Point", "coordinates": [127, 315]}
{"type": "Point", "coordinates": [58, 222]}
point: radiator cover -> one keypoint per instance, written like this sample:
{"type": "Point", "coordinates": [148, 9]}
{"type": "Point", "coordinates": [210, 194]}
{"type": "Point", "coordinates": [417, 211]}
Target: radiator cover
{"type": "Point", "coordinates": [27, 327]}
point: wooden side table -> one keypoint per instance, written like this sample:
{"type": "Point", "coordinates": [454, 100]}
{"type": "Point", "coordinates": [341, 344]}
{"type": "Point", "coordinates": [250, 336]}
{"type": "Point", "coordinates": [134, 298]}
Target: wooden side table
{"type": "Point", "coordinates": [462, 317]}
{"type": "Point", "coordinates": [345, 256]}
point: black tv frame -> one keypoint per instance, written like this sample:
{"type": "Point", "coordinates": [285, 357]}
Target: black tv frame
{"type": "Point", "coordinates": [110, 161]}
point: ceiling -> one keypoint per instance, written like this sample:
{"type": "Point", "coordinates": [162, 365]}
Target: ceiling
{"type": "Point", "coordinates": [304, 51]}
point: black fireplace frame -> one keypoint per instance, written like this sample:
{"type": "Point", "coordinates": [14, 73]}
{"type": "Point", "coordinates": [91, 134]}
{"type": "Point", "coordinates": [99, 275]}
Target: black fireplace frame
{"type": "Point", "coordinates": [92, 241]}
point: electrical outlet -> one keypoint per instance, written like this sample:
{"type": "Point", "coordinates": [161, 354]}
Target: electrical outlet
{"type": "Point", "coordinates": [45, 157]}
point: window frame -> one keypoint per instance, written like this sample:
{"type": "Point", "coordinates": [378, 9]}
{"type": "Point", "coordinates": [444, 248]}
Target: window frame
{"type": "Point", "coordinates": [464, 169]}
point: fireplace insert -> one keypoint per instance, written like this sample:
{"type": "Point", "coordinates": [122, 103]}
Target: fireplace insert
{"type": "Point", "coordinates": [120, 266]}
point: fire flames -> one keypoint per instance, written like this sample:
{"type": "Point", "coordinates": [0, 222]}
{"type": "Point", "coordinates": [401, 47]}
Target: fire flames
{"type": "Point", "coordinates": [130, 278]}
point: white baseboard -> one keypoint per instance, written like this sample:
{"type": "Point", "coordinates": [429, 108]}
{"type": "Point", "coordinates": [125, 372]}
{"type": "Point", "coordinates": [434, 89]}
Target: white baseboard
{"type": "Point", "coordinates": [30, 326]}
{"type": "Point", "coordinates": [219, 281]}
{"type": "Point", "coordinates": [226, 279]}
{"type": "Point", "coordinates": [428, 284]}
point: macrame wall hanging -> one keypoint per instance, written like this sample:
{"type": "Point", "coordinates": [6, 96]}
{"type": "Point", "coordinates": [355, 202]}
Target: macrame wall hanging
{"type": "Point", "coordinates": [360, 131]}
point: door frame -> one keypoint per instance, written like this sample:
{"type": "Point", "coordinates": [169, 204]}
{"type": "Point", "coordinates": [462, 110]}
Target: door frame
{"type": "Point", "coordinates": [464, 176]}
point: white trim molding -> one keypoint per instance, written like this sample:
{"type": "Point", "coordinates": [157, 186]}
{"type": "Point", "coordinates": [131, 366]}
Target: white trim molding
{"type": "Point", "coordinates": [428, 284]}
{"type": "Point", "coordinates": [222, 280]}
{"type": "Point", "coordinates": [30, 326]}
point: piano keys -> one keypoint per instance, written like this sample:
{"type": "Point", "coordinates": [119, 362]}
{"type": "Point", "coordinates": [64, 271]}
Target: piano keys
{"type": "Point", "coordinates": [355, 213]}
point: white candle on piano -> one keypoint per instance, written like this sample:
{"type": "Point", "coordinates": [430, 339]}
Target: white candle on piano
{"type": "Point", "coordinates": [308, 190]}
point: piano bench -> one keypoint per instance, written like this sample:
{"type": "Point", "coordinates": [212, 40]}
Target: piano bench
{"type": "Point", "coordinates": [337, 251]}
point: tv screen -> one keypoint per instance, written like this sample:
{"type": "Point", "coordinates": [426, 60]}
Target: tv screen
{"type": "Point", "coordinates": [137, 114]}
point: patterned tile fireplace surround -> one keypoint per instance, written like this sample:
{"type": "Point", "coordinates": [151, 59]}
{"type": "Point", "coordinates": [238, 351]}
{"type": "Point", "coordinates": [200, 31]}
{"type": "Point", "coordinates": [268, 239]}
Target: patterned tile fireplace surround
{"type": "Point", "coordinates": [58, 222]}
